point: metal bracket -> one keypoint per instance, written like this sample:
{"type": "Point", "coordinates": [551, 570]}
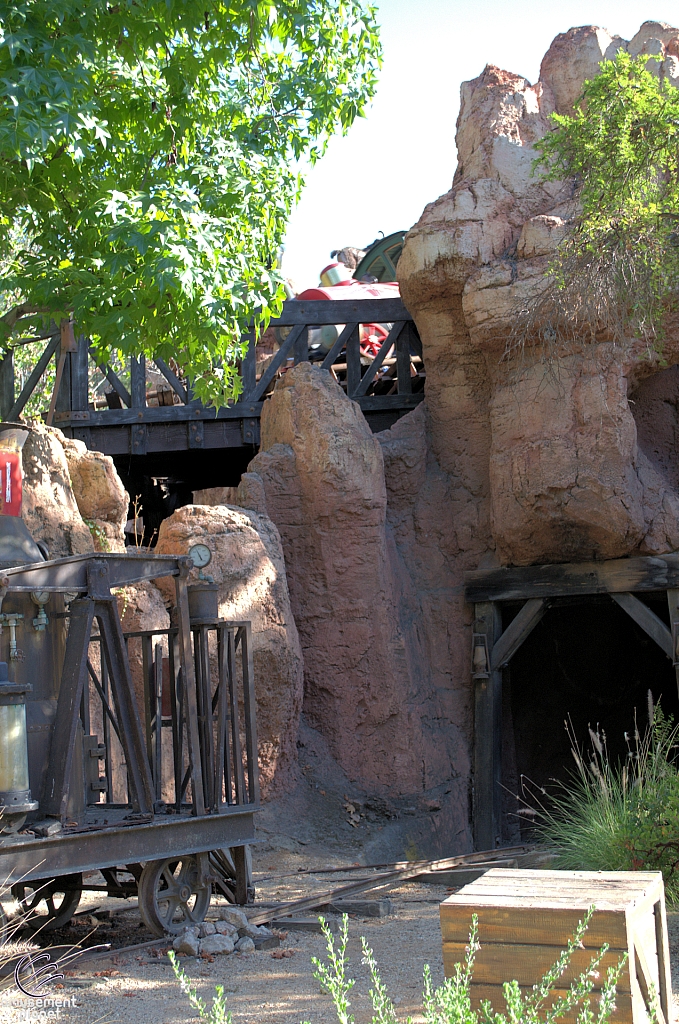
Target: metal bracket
{"type": "Point", "coordinates": [250, 431]}
{"type": "Point", "coordinates": [196, 434]}
{"type": "Point", "coordinates": [98, 586]}
{"type": "Point", "coordinates": [138, 439]}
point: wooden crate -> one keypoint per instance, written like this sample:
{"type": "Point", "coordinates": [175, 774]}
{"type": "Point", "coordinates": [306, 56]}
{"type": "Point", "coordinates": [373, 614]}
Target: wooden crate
{"type": "Point", "coordinates": [526, 918]}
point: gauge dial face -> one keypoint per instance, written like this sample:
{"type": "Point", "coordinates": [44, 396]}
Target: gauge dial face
{"type": "Point", "coordinates": [40, 596]}
{"type": "Point", "coordinates": [200, 555]}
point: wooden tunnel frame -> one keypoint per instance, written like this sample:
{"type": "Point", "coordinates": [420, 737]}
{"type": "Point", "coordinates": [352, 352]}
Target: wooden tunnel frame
{"type": "Point", "coordinates": [487, 589]}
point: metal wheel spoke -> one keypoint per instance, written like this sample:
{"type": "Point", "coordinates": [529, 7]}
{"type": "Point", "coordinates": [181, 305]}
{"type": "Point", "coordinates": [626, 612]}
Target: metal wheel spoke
{"type": "Point", "coordinates": [51, 903]}
{"type": "Point", "coordinates": [172, 904]}
{"type": "Point", "coordinates": [190, 913]}
{"type": "Point", "coordinates": [171, 883]}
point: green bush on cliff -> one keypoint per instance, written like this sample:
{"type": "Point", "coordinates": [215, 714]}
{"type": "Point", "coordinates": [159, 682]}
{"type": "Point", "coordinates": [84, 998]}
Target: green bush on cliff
{"type": "Point", "coordinates": [616, 274]}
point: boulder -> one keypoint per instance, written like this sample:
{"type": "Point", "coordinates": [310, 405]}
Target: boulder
{"type": "Point", "coordinates": [215, 496]}
{"type": "Point", "coordinates": [245, 945]}
{"type": "Point", "coordinates": [247, 563]}
{"type": "Point", "coordinates": [102, 500]}
{"type": "Point", "coordinates": [188, 942]}
{"type": "Point", "coordinates": [233, 916]}
{"type": "Point", "coordinates": [224, 928]}
{"type": "Point", "coordinates": [216, 944]}
{"type": "Point", "coordinates": [248, 494]}
{"type": "Point", "coordinates": [49, 505]}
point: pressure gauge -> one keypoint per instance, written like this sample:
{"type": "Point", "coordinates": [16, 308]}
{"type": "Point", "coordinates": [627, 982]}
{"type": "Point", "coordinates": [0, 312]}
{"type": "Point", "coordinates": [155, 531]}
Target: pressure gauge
{"type": "Point", "coordinates": [200, 555]}
{"type": "Point", "coordinates": [40, 597]}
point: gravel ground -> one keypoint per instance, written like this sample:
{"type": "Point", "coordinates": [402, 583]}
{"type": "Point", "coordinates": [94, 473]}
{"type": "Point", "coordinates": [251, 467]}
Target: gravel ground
{"type": "Point", "coordinates": [260, 986]}
{"type": "Point", "coordinates": [310, 828]}
{"type": "Point", "coordinates": [264, 986]}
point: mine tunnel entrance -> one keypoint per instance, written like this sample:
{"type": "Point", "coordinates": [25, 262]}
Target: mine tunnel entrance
{"type": "Point", "coordinates": [584, 640]}
{"type": "Point", "coordinates": [586, 661]}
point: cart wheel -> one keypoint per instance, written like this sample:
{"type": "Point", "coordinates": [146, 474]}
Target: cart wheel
{"type": "Point", "coordinates": [48, 903]}
{"type": "Point", "coordinates": [4, 926]}
{"type": "Point", "coordinates": [170, 897]}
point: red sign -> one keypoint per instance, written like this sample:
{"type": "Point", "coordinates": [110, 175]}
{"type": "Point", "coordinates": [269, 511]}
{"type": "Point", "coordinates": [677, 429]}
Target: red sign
{"type": "Point", "coordinates": [10, 483]}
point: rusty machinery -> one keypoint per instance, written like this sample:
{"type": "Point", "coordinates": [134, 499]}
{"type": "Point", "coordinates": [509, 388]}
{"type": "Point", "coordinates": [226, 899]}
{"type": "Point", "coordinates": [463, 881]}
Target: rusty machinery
{"type": "Point", "coordinates": [147, 775]}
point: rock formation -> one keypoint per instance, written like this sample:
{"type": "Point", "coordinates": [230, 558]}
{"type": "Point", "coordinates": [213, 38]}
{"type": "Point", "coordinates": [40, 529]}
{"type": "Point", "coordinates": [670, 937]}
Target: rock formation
{"type": "Point", "coordinates": [102, 500]}
{"type": "Point", "coordinates": [49, 504]}
{"type": "Point", "coordinates": [501, 463]}
{"type": "Point", "coordinates": [376, 686]}
{"type": "Point", "coordinates": [550, 459]}
{"type": "Point", "coordinates": [247, 563]}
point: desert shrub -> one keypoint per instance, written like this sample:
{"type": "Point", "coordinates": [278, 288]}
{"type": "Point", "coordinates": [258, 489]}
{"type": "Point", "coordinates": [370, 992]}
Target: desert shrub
{"type": "Point", "coordinates": [215, 1014]}
{"type": "Point", "coordinates": [451, 1002]}
{"type": "Point", "coordinates": [620, 816]}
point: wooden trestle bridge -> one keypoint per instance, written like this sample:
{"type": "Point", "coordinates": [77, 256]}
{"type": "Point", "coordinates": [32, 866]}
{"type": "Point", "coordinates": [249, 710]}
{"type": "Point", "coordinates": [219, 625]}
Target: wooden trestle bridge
{"type": "Point", "coordinates": [132, 420]}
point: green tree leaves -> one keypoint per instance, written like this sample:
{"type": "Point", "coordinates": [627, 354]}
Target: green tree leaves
{"type": "Point", "coordinates": [147, 161]}
{"type": "Point", "coordinates": [617, 273]}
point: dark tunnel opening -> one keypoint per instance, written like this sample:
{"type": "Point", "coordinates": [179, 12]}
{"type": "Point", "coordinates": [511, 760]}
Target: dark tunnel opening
{"type": "Point", "coordinates": [586, 662]}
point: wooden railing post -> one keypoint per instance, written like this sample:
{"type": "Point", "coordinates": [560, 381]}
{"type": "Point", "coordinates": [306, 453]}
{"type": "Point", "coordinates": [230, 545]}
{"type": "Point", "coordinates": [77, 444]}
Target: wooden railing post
{"type": "Point", "coordinates": [63, 399]}
{"type": "Point", "coordinates": [301, 352]}
{"type": "Point", "coordinates": [487, 813]}
{"type": "Point", "coordinates": [249, 366]}
{"type": "Point", "coordinates": [405, 385]}
{"type": "Point", "coordinates": [353, 362]}
{"type": "Point", "coordinates": [79, 376]}
{"type": "Point", "coordinates": [138, 382]}
{"type": "Point", "coordinates": [138, 433]}
{"type": "Point", "coordinates": [6, 385]}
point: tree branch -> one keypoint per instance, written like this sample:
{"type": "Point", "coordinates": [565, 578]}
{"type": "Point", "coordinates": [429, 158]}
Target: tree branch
{"type": "Point", "coordinates": [10, 318]}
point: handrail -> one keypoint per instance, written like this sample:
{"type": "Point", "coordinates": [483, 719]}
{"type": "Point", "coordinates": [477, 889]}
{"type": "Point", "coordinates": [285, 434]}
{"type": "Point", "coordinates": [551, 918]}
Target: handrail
{"type": "Point", "coordinates": [379, 383]}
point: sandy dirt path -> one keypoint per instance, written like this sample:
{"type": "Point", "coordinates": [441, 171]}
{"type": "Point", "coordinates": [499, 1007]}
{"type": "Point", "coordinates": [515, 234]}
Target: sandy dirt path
{"type": "Point", "coordinates": [140, 988]}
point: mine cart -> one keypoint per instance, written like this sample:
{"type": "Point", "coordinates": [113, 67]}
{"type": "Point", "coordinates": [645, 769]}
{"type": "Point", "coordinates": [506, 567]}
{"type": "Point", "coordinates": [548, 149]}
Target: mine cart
{"type": "Point", "coordinates": [131, 754]}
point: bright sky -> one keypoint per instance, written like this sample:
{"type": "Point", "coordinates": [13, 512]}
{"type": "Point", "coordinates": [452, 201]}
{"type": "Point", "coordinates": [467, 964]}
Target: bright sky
{"type": "Point", "coordinates": [402, 156]}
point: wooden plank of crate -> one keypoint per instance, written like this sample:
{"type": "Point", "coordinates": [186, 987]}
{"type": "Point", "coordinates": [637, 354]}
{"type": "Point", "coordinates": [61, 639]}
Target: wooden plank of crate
{"type": "Point", "coordinates": [509, 886]}
{"type": "Point", "coordinates": [663, 953]}
{"type": "Point", "coordinates": [493, 993]}
{"type": "Point", "coordinates": [542, 908]}
{"type": "Point", "coordinates": [536, 925]}
{"type": "Point", "coordinates": [509, 881]}
{"type": "Point", "coordinates": [528, 963]}
{"type": "Point", "coordinates": [636, 878]}
{"type": "Point", "coordinates": [548, 902]}
{"type": "Point", "coordinates": [582, 901]}
{"type": "Point", "coordinates": [647, 979]}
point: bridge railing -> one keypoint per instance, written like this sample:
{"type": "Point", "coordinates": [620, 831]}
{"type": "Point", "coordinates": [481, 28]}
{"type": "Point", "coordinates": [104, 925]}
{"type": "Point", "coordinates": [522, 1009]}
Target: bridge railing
{"type": "Point", "coordinates": [166, 415]}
